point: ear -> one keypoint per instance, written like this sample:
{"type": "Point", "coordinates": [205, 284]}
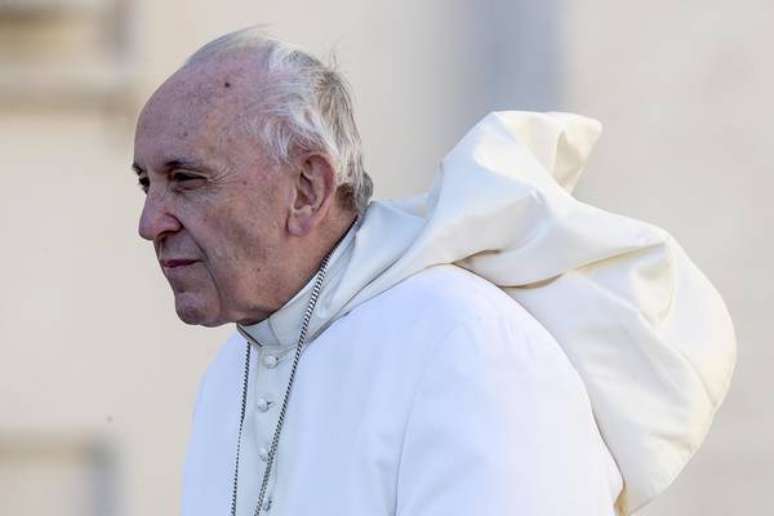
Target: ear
{"type": "Point", "coordinates": [313, 193]}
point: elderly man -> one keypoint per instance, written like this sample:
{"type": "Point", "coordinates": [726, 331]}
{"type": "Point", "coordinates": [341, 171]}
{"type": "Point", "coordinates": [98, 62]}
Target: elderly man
{"type": "Point", "coordinates": [470, 351]}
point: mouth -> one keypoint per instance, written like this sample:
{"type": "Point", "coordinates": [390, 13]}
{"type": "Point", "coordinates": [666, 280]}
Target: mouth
{"type": "Point", "coordinates": [176, 263]}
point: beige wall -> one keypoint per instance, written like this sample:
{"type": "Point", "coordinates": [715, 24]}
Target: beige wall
{"type": "Point", "coordinates": [684, 92]}
{"type": "Point", "coordinates": [90, 342]}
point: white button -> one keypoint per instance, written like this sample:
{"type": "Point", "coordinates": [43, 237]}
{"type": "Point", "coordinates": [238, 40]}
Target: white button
{"type": "Point", "coordinates": [270, 360]}
{"type": "Point", "coordinates": [267, 505]}
{"type": "Point", "coordinates": [263, 453]}
{"type": "Point", "coordinates": [263, 404]}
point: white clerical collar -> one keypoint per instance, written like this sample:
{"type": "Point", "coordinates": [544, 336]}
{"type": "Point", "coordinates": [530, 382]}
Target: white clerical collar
{"type": "Point", "coordinates": [281, 328]}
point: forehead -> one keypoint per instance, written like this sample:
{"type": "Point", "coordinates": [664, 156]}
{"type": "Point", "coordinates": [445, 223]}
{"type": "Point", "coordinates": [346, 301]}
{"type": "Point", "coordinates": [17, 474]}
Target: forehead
{"type": "Point", "coordinates": [194, 111]}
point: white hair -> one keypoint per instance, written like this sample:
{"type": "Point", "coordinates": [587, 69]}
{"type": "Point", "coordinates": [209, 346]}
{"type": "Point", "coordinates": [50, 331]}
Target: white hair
{"type": "Point", "coordinates": [303, 105]}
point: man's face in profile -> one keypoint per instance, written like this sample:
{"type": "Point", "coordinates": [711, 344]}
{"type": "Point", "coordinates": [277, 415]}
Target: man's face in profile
{"type": "Point", "coordinates": [214, 206]}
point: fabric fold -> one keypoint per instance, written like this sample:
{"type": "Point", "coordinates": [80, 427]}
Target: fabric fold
{"type": "Point", "coordinates": [648, 333]}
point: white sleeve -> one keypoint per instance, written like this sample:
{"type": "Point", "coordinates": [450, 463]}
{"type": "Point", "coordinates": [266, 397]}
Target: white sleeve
{"type": "Point", "coordinates": [501, 425]}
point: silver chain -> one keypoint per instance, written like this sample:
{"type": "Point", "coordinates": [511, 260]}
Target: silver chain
{"type": "Point", "coordinates": [281, 421]}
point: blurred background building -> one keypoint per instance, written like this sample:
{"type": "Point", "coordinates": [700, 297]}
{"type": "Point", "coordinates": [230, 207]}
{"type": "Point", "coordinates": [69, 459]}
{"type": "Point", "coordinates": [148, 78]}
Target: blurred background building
{"type": "Point", "coordinates": [97, 375]}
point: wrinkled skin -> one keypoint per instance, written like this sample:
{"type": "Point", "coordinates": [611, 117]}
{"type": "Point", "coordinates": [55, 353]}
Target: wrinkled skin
{"type": "Point", "coordinates": [236, 236]}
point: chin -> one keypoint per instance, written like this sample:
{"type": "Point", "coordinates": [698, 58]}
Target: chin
{"type": "Point", "coordinates": [196, 314]}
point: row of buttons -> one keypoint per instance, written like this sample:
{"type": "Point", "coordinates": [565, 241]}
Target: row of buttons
{"type": "Point", "coordinates": [263, 404]}
{"type": "Point", "coordinates": [270, 361]}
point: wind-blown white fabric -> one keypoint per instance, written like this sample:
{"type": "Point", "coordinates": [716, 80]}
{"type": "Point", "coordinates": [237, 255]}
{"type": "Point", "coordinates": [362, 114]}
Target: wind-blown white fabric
{"type": "Point", "coordinates": [649, 335]}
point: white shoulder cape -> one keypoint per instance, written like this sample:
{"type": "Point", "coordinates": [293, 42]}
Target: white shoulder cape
{"type": "Point", "coordinates": [647, 332]}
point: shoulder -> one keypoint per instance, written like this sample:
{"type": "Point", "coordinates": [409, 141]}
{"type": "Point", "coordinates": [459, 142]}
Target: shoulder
{"type": "Point", "coordinates": [485, 331]}
{"type": "Point", "coordinates": [446, 310]}
{"type": "Point", "coordinates": [448, 294]}
{"type": "Point", "coordinates": [446, 300]}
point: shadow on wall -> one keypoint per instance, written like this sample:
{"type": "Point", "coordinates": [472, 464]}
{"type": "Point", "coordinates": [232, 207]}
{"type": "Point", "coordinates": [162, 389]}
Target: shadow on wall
{"type": "Point", "coordinates": [65, 53]}
{"type": "Point", "coordinates": [528, 54]}
{"type": "Point", "coordinates": [57, 474]}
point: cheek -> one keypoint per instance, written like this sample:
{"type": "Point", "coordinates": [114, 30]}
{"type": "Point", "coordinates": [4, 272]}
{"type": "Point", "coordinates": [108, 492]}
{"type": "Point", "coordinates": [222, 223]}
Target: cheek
{"type": "Point", "coordinates": [242, 247]}
{"type": "Point", "coordinates": [241, 232]}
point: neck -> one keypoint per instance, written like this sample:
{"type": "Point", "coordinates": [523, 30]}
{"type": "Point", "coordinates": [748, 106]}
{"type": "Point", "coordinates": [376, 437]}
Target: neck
{"type": "Point", "coordinates": [329, 239]}
{"type": "Point", "coordinates": [304, 262]}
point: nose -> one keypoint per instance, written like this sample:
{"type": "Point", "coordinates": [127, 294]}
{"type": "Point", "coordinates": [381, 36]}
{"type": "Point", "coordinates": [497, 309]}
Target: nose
{"type": "Point", "coordinates": [156, 219]}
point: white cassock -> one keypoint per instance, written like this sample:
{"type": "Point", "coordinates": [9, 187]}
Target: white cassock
{"type": "Point", "coordinates": [570, 361]}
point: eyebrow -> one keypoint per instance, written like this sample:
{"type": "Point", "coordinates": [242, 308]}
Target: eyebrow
{"type": "Point", "coordinates": [170, 165]}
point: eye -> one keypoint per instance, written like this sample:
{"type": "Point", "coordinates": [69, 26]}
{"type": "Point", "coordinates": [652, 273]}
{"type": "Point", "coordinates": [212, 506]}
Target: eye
{"type": "Point", "coordinates": [144, 183]}
{"type": "Point", "coordinates": [186, 179]}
